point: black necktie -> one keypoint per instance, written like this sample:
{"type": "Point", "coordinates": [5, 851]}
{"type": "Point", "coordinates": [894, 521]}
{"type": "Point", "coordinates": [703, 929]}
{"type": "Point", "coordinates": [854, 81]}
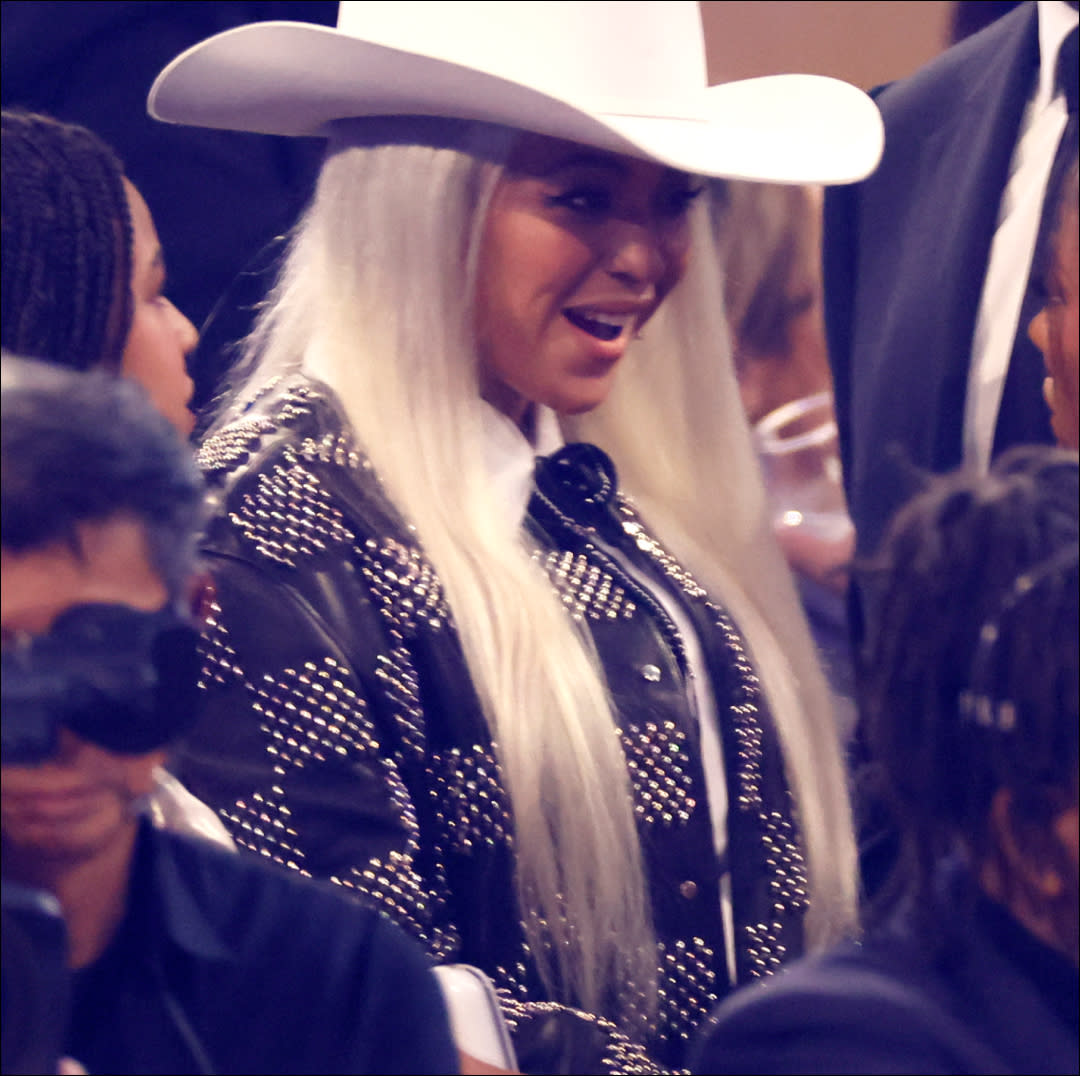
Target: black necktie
{"type": "Point", "coordinates": [1023, 417]}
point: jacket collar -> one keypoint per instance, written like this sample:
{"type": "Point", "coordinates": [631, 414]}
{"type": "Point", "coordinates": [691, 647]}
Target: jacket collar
{"type": "Point", "coordinates": [163, 875]}
{"type": "Point", "coordinates": [510, 458]}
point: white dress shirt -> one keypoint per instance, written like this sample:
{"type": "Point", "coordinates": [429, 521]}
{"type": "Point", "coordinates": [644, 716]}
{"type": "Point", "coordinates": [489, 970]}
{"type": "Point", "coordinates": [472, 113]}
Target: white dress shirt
{"type": "Point", "coordinates": [510, 462]}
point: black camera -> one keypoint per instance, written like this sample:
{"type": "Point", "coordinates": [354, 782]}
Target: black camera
{"type": "Point", "coordinates": [36, 982]}
{"type": "Point", "coordinates": [121, 678]}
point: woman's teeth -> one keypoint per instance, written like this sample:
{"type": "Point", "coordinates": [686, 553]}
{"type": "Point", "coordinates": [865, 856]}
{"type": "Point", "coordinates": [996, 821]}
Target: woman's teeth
{"type": "Point", "coordinates": [602, 326]}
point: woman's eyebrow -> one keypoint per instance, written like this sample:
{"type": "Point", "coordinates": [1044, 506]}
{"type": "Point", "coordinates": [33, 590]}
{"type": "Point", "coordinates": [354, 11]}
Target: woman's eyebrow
{"type": "Point", "coordinates": [585, 159]}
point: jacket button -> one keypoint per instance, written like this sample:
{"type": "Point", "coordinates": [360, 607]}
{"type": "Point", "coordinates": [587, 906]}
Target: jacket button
{"type": "Point", "coordinates": [651, 673]}
{"type": "Point", "coordinates": [688, 889]}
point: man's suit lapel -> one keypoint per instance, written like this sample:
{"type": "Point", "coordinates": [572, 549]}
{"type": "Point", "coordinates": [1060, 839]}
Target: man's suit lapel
{"type": "Point", "coordinates": [926, 221]}
{"type": "Point", "coordinates": [963, 169]}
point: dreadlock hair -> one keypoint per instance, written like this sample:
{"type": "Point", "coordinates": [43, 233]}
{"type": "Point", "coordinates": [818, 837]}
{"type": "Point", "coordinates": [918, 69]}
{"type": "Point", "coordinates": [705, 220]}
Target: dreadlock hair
{"type": "Point", "coordinates": [969, 684]}
{"type": "Point", "coordinates": [66, 246]}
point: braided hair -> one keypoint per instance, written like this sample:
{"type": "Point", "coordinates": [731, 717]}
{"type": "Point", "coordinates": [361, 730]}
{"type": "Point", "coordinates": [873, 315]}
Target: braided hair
{"type": "Point", "coordinates": [66, 246]}
{"type": "Point", "coordinates": [970, 683]}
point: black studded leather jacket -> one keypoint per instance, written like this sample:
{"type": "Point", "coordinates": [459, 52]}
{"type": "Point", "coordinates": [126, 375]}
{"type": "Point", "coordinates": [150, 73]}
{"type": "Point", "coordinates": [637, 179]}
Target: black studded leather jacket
{"type": "Point", "coordinates": [341, 736]}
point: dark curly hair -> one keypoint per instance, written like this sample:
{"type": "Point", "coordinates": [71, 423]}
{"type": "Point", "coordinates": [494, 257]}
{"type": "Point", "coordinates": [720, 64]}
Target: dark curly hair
{"type": "Point", "coordinates": [66, 245]}
{"type": "Point", "coordinates": [83, 447]}
{"type": "Point", "coordinates": [969, 683]}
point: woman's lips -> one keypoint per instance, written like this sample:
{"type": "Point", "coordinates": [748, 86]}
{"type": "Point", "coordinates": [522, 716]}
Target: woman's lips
{"type": "Point", "coordinates": [601, 326]}
{"type": "Point", "coordinates": [51, 801]}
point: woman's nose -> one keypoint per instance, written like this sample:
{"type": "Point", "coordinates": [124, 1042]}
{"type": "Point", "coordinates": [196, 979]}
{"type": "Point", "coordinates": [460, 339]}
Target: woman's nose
{"type": "Point", "coordinates": [638, 253]}
{"type": "Point", "coordinates": [185, 330]}
{"type": "Point", "coordinates": [1039, 330]}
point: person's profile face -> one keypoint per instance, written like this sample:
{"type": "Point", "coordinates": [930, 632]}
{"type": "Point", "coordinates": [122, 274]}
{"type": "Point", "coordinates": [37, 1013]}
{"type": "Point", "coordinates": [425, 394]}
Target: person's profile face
{"type": "Point", "coordinates": [1055, 331]}
{"type": "Point", "coordinates": [160, 336]}
{"type": "Point", "coordinates": [78, 803]}
{"type": "Point", "coordinates": [579, 248]}
{"type": "Point", "coordinates": [1067, 831]}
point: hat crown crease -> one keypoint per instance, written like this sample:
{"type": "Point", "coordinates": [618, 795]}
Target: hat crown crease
{"type": "Point", "coordinates": [651, 64]}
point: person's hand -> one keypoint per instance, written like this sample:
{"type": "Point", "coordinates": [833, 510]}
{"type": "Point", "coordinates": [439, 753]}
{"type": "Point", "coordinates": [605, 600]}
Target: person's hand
{"type": "Point", "coordinates": [821, 556]}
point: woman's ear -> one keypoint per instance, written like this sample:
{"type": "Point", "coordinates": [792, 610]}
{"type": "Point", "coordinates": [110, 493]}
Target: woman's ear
{"type": "Point", "coordinates": [1032, 868]}
{"type": "Point", "coordinates": [1028, 854]}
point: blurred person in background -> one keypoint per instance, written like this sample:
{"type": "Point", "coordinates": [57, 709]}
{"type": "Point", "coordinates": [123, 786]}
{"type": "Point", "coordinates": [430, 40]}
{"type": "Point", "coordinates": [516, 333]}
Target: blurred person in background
{"type": "Point", "coordinates": [221, 202]}
{"type": "Point", "coordinates": [770, 237]}
{"type": "Point", "coordinates": [929, 286]}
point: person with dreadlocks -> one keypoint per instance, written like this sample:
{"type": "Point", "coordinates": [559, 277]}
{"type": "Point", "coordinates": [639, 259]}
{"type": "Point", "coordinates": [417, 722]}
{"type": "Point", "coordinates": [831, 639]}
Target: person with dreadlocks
{"type": "Point", "coordinates": [969, 689]}
{"type": "Point", "coordinates": [83, 272]}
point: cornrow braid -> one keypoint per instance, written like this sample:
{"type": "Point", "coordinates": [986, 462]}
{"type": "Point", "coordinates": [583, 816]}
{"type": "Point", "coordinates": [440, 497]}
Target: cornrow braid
{"type": "Point", "coordinates": [66, 245]}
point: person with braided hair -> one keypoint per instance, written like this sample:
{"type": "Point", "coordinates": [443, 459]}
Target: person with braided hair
{"type": "Point", "coordinates": [83, 272]}
{"type": "Point", "coordinates": [969, 692]}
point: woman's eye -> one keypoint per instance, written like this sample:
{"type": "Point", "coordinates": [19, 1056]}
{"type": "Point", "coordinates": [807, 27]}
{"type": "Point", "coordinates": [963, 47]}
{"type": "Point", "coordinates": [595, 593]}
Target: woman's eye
{"type": "Point", "coordinates": [1047, 294]}
{"type": "Point", "coordinates": [591, 201]}
{"type": "Point", "coordinates": [677, 203]}
{"type": "Point", "coordinates": [796, 305]}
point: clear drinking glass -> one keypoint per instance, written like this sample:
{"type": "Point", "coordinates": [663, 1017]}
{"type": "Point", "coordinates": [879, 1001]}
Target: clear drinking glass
{"type": "Point", "coordinates": [800, 458]}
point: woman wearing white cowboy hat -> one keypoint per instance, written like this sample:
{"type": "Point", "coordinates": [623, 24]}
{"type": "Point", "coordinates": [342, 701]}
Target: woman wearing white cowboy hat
{"type": "Point", "coordinates": [455, 668]}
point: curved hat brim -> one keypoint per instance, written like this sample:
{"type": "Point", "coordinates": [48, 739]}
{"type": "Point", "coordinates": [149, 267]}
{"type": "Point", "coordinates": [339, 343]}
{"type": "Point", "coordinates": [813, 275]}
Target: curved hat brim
{"type": "Point", "coordinates": [289, 78]}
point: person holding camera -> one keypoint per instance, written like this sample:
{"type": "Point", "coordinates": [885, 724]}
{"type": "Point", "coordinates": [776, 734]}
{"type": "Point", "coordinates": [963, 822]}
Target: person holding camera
{"type": "Point", "coordinates": [182, 956]}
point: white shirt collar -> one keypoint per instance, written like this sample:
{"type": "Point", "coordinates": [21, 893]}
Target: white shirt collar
{"type": "Point", "coordinates": [510, 458]}
{"type": "Point", "coordinates": [1056, 19]}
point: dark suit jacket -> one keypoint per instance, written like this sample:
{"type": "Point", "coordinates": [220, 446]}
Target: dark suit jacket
{"type": "Point", "coordinates": [989, 998]}
{"type": "Point", "coordinates": [227, 963]}
{"type": "Point", "coordinates": [905, 258]}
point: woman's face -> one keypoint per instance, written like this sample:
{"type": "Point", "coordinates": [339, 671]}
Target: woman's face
{"type": "Point", "coordinates": [1055, 331]}
{"type": "Point", "coordinates": [160, 337]}
{"type": "Point", "coordinates": [579, 248]}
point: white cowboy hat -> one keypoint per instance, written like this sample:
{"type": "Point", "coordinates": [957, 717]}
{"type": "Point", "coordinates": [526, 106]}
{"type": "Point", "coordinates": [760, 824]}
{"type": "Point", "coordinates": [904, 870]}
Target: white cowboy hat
{"type": "Point", "coordinates": [623, 76]}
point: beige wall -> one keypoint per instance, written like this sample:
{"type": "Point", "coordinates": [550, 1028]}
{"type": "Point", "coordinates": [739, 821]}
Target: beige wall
{"type": "Point", "coordinates": [863, 41]}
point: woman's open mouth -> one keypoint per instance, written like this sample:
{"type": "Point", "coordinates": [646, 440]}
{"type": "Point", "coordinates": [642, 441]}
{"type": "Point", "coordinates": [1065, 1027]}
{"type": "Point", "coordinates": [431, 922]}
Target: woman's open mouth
{"type": "Point", "coordinates": [605, 327]}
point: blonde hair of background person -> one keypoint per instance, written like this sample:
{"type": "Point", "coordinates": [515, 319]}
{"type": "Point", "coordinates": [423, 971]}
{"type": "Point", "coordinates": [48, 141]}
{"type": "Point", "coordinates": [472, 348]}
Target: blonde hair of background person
{"type": "Point", "coordinates": [771, 240]}
{"type": "Point", "coordinates": [377, 300]}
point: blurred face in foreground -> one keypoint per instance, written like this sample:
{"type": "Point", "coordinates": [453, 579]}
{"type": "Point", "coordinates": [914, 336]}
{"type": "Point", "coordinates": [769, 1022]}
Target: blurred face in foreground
{"type": "Point", "coordinates": [78, 805]}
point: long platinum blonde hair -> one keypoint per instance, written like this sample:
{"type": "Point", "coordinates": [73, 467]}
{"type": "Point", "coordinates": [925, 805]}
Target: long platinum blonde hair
{"type": "Point", "coordinates": [375, 299]}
